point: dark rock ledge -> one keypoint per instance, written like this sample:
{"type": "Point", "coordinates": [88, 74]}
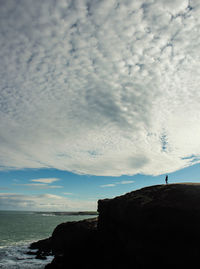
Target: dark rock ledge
{"type": "Point", "coordinates": [156, 226]}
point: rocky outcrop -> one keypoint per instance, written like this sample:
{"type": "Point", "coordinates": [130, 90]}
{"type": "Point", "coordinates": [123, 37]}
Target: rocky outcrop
{"type": "Point", "coordinates": [158, 225]}
{"type": "Point", "coordinates": [72, 235]}
{"type": "Point", "coordinates": [155, 226]}
{"type": "Point", "coordinates": [43, 247]}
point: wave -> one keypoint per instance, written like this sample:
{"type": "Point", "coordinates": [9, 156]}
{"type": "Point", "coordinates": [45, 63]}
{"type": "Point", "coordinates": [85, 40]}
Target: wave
{"type": "Point", "coordinates": [48, 215]}
{"type": "Point", "coordinates": [15, 257]}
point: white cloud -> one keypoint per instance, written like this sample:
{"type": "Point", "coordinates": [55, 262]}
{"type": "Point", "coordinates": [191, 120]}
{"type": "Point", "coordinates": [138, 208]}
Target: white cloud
{"type": "Point", "coordinates": [108, 185]}
{"type": "Point", "coordinates": [45, 180]}
{"type": "Point", "coordinates": [39, 186]}
{"type": "Point", "coordinates": [100, 87]}
{"type": "Point", "coordinates": [43, 202]}
{"type": "Point", "coordinates": [42, 183]}
{"type": "Point", "coordinates": [123, 182]}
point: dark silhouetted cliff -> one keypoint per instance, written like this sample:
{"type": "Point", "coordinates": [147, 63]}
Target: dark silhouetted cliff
{"type": "Point", "coordinates": [155, 226]}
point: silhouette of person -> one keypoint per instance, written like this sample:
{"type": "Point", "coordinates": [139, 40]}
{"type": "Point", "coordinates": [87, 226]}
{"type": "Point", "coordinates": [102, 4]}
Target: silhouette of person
{"type": "Point", "coordinates": [166, 179]}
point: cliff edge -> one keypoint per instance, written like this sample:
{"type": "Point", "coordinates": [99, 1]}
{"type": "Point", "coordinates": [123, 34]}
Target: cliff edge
{"type": "Point", "coordinates": [155, 226]}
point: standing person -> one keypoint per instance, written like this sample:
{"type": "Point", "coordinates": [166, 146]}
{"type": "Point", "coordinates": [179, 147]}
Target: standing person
{"type": "Point", "coordinates": [166, 179]}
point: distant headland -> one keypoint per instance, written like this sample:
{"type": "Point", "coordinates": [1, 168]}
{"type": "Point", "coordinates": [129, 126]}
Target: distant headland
{"type": "Point", "coordinates": [69, 213]}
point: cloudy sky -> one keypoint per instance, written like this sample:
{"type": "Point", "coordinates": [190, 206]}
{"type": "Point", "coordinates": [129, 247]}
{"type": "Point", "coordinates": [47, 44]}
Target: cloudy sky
{"type": "Point", "coordinates": [95, 92]}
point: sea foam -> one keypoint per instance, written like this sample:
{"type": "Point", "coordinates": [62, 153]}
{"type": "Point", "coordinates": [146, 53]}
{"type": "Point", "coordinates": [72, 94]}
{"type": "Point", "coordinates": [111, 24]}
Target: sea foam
{"type": "Point", "coordinates": [15, 257]}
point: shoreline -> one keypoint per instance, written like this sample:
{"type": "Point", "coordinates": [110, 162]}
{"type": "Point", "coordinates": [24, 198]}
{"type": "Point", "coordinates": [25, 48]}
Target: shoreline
{"type": "Point", "coordinates": [68, 213]}
{"type": "Point", "coordinates": [136, 229]}
{"type": "Point", "coordinates": [16, 256]}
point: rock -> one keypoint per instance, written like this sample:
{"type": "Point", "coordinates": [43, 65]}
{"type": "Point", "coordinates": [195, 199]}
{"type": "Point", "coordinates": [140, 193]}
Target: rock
{"type": "Point", "coordinates": [155, 226]}
{"type": "Point", "coordinates": [74, 243]}
{"type": "Point", "coordinates": [158, 225]}
{"type": "Point", "coordinates": [41, 256]}
{"type": "Point", "coordinates": [44, 244]}
{"type": "Point", "coordinates": [44, 248]}
{"type": "Point", "coordinates": [73, 235]}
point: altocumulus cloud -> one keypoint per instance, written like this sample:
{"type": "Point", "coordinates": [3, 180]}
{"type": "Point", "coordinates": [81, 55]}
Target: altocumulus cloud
{"type": "Point", "coordinates": [100, 87]}
{"type": "Point", "coordinates": [41, 183]}
{"type": "Point", "coordinates": [45, 180]}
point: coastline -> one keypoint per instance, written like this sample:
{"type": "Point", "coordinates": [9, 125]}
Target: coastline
{"type": "Point", "coordinates": [19, 229]}
{"type": "Point", "coordinates": [135, 230]}
{"type": "Point", "coordinates": [68, 213]}
{"type": "Point", "coordinates": [15, 256]}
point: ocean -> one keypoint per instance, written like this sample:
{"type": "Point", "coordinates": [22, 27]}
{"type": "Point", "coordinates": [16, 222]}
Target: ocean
{"type": "Point", "coordinates": [18, 229]}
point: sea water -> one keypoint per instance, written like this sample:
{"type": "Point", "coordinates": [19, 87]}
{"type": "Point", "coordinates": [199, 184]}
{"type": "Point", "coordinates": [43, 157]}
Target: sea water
{"type": "Point", "coordinates": [18, 229]}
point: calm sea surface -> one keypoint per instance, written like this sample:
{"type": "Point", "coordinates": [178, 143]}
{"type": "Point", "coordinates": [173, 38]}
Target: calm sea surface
{"type": "Point", "coordinates": [19, 229]}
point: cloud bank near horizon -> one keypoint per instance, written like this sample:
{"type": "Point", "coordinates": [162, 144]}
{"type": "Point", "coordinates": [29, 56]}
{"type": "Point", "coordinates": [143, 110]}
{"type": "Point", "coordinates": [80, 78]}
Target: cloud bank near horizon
{"type": "Point", "coordinates": [43, 202]}
{"type": "Point", "coordinates": [100, 87]}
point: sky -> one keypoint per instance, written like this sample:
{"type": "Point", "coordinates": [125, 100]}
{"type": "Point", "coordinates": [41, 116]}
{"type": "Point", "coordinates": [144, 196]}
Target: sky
{"type": "Point", "coordinates": [97, 98]}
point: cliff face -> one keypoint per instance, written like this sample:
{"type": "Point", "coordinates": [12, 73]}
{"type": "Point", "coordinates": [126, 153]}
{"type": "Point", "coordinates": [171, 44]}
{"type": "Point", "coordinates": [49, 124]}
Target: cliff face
{"type": "Point", "coordinates": [156, 226]}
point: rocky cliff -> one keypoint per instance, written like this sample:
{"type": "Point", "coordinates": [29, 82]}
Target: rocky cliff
{"type": "Point", "coordinates": [155, 226]}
